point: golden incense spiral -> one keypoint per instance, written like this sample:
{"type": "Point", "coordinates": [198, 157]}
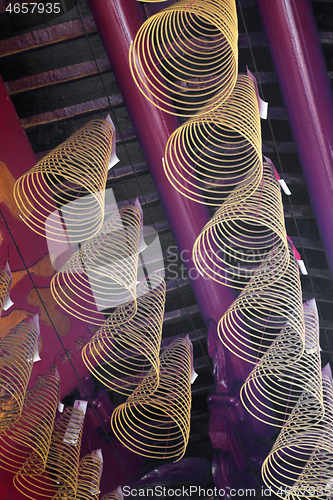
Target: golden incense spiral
{"type": "Point", "coordinates": [157, 424]}
{"type": "Point", "coordinates": [278, 380]}
{"type": "Point", "coordinates": [59, 480]}
{"type": "Point", "coordinates": [17, 351]}
{"type": "Point", "coordinates": [187, 54]}
{"type": "Point", "coordinates": [102, 274]}
{"type": "Point", "coordinates": [90, 470]}
{"type": "Point", "coordinates": [120, 356]}
{"type": "Point", "coordinates": [212, 153]}
{"type": "Point", "coordinates": [242, 233]}
{"type": "Point", "coordinates": [262, 309]}
{"type": "Point", "coordinates": [302, 459]}
{"type": "Point", "coordinates": [25, 445]}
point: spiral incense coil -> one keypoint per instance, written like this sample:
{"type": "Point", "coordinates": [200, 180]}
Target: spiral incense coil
{"type": "Point", "coordinates": [5, 282]}
{"type": "Point", "coordinates": [65, 189]}
{"type": "Point", "coordinates": [90, 469]}
{"type": "Point", "coordinates": [278, 380]}
{"type": "Point", "coordinates": [25, 445]}
{"type": "Point", "coordinates": [124, 354]}
{"type": "Point", "coordinates": [210, 154]}
{"type": "Point", "coordinates": [102, 274]}
{"type": "Point", "coordinates": [262, 309]}
{"type": "Point", "coordinates": [59, 480]}
{"type": "Point", "coordinates": [303, 458]}
{"type": "Point", "coordinates": [186, 54]}
{"type": "Point", "coordinates": [242, 233]}
{"type": "Point", "coordinates": [17, 350]}
{"type": "Point", "coordinates": [315, 481]}
{"type": "Point", "coordinates": [157, 425]}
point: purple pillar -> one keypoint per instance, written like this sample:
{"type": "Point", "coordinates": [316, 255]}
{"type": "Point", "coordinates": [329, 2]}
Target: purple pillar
{"type": "Point", "coordinates": [299, 62]}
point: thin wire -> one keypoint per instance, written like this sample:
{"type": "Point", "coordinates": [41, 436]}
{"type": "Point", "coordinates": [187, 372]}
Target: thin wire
{"type": "Point", "coordinates": [282, 171]}
{"type": "Point", "coordinates": [63, 347]}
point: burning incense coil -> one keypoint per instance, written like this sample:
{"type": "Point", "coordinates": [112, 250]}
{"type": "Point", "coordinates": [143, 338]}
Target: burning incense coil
{"type": "Point", "coordinates": [157, 425]}
{"type": "Point", "coordinates": [303, 459]}
{"type": "Point", "coordinates": [90, 470]}
{"type": "Point", "coordinates": [124, 354]}
{"type": "Point", "coordinates": [262, 309]}
{"type": "Point", "coordinates": [278, 380]}
{"type": "Point", "coordinates": [25, 445]}
{"type": "Point", "coordinates": [210, 154]}
{"type": "Point", "coordinates": [59, 480]}
{"type": "Point", "coordinates": [17, 351]}
{"type": "Point", "coordinates": [186, 54]}
{"type": "Point", "coordinates": [242, 233]}
{"type": "Point", "coordinates": [5, 282]}
{"type": "Point", "coordinates": [65, 189]}
{"type": "Point", "coordinates": [102, 274]}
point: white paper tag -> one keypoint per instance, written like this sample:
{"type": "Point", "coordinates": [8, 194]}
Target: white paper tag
{"type": "Point", "coordinates": [35, 322]}
{"type": "Point", "coordinates": [8, 303]}
{"type": "Point", "coordinates": [61, 407]}
{"type": "Point", "coordinates": [282, 182]}
{"type": "Point", "coordinates": [302, 267]}
{"type": "Point", "coordinates": [263, 106]}
{"type": "Point", "coordinates": [114, 159]}
{"type": "Point", "coordinates": [75, 423]}
{"type": "Point", "coordinates": [284, 187]}
{"type": "Point", "coordinates": [299, 261]}
{"type": "Point", "coordinates": [142, 244]}
{"type": "Point", "coordinates": [95, 487]}
{"type": "Point", "coordinates": [311, 345]}
{"type": "Point", "coordinates": [99, 454]}
{"type": "Point", "coordinates": [194, 375]}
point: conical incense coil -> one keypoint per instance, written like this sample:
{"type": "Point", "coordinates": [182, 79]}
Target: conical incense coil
{"type": "Point", "coordinates": [17, 351]}
{"type": "Point", "coordinates": [102, 274]}
{"type": "Point", "coordinates": [90, 470]}
{"type": "Point", "coordinates": [25, 444]}
{"type": "Point", "coordinates": [5, 282]}
{"type": "Point", "coordinates": [241, 234]}
{"type": "Point", "coordinates": [187, 53]}
{"type": "Point", "coordinates": [59, 480]}
{"type": "Point", "coordinates": [291, 462]}
{"type": "Point", "coordinates": [210, 154]}
{"type": "Point", "coordinates": [278, 380]}
{"type": "Point", "coordinates": [157, 425]}
{"type": "Point", "coordinates": [62, 196]}
{"type": "Point", "coordinates": [121, 356]}
{"type": "Point", "coordinates": [262, 309]}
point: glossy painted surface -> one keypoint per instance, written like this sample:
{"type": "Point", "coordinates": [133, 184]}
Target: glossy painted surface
{"type": "Point", "coordinates": [299, 62]}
